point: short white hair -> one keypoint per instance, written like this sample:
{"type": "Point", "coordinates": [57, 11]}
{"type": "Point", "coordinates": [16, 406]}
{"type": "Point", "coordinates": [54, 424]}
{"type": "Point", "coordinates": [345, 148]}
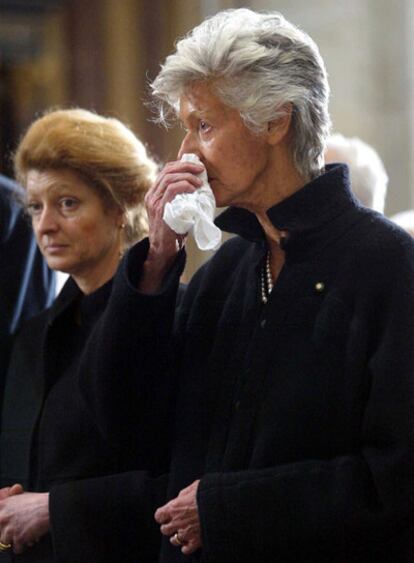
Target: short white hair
{"type": "Point", "coordinates": [369, 179]}
{"type": "Point", "coordinates": [257, 63]}
{"type": "Point", "coordinates": [405, 219]}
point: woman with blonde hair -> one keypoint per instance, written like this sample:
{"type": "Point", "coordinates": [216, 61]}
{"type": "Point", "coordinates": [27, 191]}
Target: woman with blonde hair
{"type": "Point", "coordinates": [85, 177]}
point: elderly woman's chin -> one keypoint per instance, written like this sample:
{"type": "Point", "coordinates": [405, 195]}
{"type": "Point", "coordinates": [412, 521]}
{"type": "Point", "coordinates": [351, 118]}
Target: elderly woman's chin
{"type": "Point", "coordinates": [222, 197]}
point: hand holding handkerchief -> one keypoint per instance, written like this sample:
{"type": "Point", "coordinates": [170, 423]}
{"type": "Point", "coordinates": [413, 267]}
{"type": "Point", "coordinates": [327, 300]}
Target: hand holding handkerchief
{"type": "Point", "coordinates": [195, 212]}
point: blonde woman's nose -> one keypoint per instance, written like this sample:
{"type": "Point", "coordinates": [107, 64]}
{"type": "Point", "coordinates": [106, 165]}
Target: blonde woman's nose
{"type": "Point", "coordinates": [46, 221]}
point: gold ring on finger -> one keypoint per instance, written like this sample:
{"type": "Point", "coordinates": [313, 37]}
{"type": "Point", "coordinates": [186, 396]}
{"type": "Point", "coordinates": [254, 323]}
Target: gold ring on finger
{"type": "Point", "coordinates": [176, 538]}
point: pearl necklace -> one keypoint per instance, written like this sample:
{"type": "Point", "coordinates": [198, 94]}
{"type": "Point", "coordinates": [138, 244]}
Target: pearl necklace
{"type": "Point", "coordinates": [266, 280]}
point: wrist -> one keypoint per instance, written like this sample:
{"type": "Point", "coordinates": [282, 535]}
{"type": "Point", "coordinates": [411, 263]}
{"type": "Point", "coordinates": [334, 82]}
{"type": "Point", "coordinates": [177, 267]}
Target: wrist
{"type": "Point", "coordinates": [154, 270]}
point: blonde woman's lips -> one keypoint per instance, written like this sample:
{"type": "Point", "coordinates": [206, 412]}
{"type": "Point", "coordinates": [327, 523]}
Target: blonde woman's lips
{"type": "Point", "coordinates": [55, 248]}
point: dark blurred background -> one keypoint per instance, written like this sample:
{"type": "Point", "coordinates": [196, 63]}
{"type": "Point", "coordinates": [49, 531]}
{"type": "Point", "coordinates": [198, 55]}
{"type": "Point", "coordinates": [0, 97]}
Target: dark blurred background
{"type": "Point", "coordinates": [96, 54]}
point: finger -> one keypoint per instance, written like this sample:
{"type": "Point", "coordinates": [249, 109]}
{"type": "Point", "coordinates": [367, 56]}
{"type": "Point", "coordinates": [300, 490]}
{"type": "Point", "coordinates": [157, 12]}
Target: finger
{"type": "Point", "coordinates": [190, 547]}
{"type": "Point", "coordinates": [155, 203]}
{"type": "Point", "coordinates": [179, 183]}
{"type": "Point", "coordinates": [174, 541]}
{"type": "Point", "coordinates": [186, 530]}
{"type": "Point", "coordinates": [176, 189]}
{"type": "Point", "coordinates": [165, 179]}
{"type": "Point", "coordinates": [176, 176]}
{"type": "Point", "coordinates": [5, 544]}
{"type": "Point", "coordinates": [159, 200]}
{"type": "Point", "coordinates": [174, 168]}
{"type": "Point", "coordinates": [16, 489]}
{"type": "Point", "coordinates": [183, 166]}
{"type": "Point", "coordinates": [168, 529]}
{"type": "Point", "coordinates": [179, 170]}
{"type": "Point", "coordinates": [162, 515]}
{"type": "Point", "coordinates": [177, 540]}
{"type": "Point", "coordinates": [4, 492]}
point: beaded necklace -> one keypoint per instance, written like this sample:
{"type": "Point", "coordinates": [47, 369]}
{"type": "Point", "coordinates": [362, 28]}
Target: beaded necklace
{"type": "Point", "coordinates": [266, 280]}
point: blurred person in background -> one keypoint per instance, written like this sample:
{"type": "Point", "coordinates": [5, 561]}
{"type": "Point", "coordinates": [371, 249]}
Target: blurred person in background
{"type": "Point", "coordinates": [84, 177]}
{"type": "Point", "coordinates": [405, 219]}
{"type": "Point", "coordinates": [27, 285]}
{"type": "Point", "coordinates": [369, 179]}
{"type": "Point", "coordinates": [293, 346]}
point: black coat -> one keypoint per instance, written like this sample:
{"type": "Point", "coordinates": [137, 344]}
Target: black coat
{"type": "Point", "coordinates": [298, 416]}
{"type": "Point", "coordinates": [50, 439]}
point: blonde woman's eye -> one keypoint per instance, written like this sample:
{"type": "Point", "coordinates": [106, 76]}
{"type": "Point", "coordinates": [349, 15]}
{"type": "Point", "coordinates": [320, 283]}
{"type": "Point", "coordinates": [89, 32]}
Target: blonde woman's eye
{"type": "Point", "coordinates": [33, 208]}
{"type": "Point", "coordinates": [68, 203]}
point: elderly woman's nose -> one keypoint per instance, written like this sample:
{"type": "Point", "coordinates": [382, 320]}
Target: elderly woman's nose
{"type": "Point", "coordinates": [189, 145]}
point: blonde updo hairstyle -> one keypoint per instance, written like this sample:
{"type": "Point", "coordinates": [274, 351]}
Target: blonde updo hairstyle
{"type": "Point", "coordinates": [102, 150]}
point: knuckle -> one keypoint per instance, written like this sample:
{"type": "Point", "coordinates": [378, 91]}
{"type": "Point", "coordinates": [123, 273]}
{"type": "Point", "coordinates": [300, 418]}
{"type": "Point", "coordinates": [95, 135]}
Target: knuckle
{"type": "Point", "coordinates": [170, 164]}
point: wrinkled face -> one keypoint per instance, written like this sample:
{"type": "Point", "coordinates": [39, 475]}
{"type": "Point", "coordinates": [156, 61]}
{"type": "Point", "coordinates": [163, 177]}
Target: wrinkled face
{"type": "Point", "coordinates": [75, 232]}
{"type": "Point", "coordinates": [236, 159]}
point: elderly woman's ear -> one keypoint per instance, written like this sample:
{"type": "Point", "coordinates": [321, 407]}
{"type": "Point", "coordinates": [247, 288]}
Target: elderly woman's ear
{"type": "Point", "coordinates": [278, 129]}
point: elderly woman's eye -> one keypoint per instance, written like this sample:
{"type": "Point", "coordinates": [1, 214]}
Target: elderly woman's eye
{"type": "Point", "coordinates": [204, 126]}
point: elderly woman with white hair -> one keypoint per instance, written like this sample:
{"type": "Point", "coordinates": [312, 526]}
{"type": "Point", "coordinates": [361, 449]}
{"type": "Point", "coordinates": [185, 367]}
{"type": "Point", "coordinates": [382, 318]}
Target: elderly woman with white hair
{"type": "Point", "coordinates": [293, 346]}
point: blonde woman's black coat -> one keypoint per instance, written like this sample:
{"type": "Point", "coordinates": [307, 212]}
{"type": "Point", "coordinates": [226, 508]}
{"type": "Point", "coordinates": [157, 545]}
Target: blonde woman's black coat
{"type": "Point", "coordinates": [50, 438]}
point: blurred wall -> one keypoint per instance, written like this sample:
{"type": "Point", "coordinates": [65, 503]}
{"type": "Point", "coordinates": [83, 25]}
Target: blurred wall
{"type": "Point", "coordinates": [97, 54]}
{"type": "Point", "coordinates": [367, 46]}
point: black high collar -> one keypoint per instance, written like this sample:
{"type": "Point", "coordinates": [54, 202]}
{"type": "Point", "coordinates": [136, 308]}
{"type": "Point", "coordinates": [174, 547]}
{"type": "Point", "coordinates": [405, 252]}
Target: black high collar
{"type": "Point", "coordinates": [90, 305]}
{"type": "Point", "coordinates": [301, 214]}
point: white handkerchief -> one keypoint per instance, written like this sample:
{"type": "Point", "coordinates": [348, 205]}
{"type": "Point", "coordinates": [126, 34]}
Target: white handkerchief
{"type": "Point", "coordinates": [195, 212]}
